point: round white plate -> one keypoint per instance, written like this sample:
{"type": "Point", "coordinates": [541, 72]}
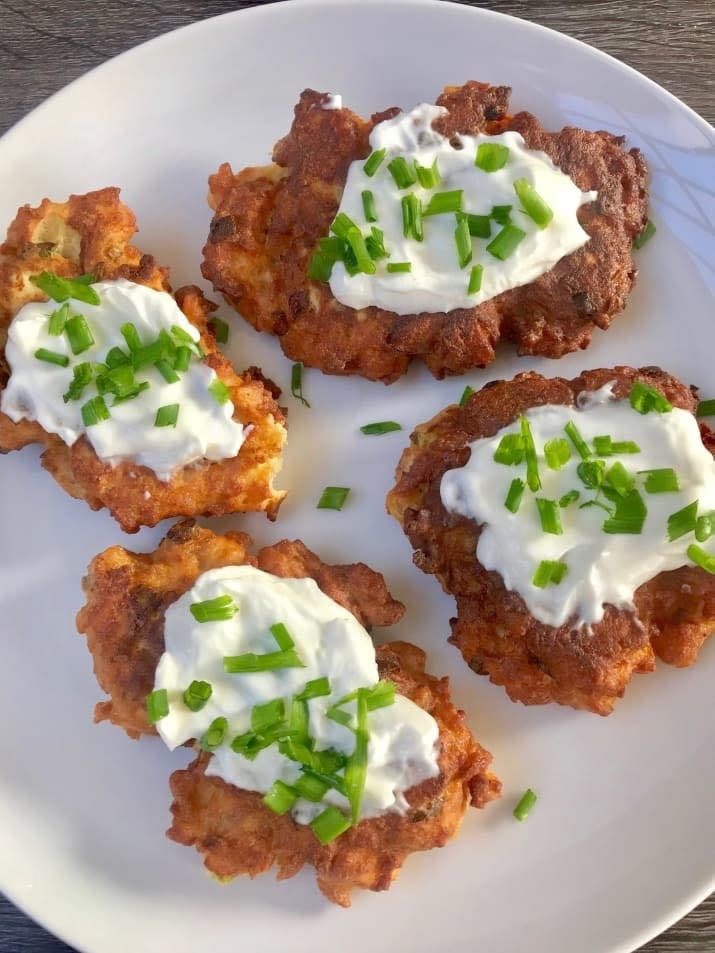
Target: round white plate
{"type": "Point", "coordinates": [622, 839]}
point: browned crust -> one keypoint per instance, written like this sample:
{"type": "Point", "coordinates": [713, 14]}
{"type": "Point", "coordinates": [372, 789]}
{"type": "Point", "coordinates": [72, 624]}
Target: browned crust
{"type": "Point", "coordinates": [91, 233]}
{"type": "Point", "coordinates": [267, 223]}
{"type": "Point", "coordinates": [587, 668]}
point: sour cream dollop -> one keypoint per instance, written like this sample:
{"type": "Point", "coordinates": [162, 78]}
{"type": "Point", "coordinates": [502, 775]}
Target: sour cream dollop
{"type": "Point", "coordinates": [603, 568]}
{"type": "Point", "coordinates": [204, 430]}
{"type": "Point", "coordinates": [403, 738]}
{"type": "Point", "coordinates": [436, 283]}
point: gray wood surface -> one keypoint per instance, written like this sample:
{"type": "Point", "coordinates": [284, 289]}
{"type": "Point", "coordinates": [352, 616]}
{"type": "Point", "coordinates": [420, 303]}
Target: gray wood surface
{"type": "Point", "coordinates": [43, 46]}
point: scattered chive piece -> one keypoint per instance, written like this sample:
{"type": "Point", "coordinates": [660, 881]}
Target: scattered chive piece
{"type": "Point", "coordinates": [375, 244]}
{"type": "Point", "coordinates": [396, 267]}
{"type": "Point", "coordinates": [167, 371]}
{"type": "Point", "coordinates": [81, 378]}
{"type": "Point", "coordinates": [317, 688]}
{"type": "Point", "coordinates": [466, 394]}
{"type": "Point", "coordinates": [333, 498]}
{"type": "Point", "coordinates": [568, 498]}
{"type": "Point", "coordinates": [186, 340]}
{"type": "Point", "coordinates": [523, 808]}
{"type": "Point", "coordinates": [705, 527]}
{"type": "Point", "coordinates": [310, 787]}
{"type": "Point", "coordinates": [329, 825]}
{"type": "Point", "coordinates": [514, 495]}
{"type": "Point", "coordinates": [644, 398]}
{"type": "Point", "coordinates": [661, 481]}
{"type": "Point", "coordinates": [320, 267]}
{"type": "Point", "coordinates": [116, 357]}
{"type": "Point", "coordinates": [356, 241]}
{"type": "Point", "coordinates": [683, 521]}
{"type": "Point", "coordinates": [532, 466]}
{"type": "Point", "coordinates": [219, 609]}
{"type": "Point", "coordinates": [591, 473]}
{"type": "Point", "coordinates": [505, 242]}
{"type": "Point", "coordinates": [549, 571]}
{"type": "Point", "coordinates": [197, 695]}
{"type": "Point", "coordinates": [373, 162]}
{"type": "Point", "coordinates": [381, 695]}
{"type": "Point", "coordinates": [428, 176]}
{"type": "Point", "coordinates": [157, 705]}
{"type": "Point", "coordinates": [167, 416]}
{"type": "Point", "coordinates": [78, 334]}
{"type": "Point", "coordinates": [296, 384]}
{"type": "Point", "coordinates": [491, 156]}
{"type": "Point", "coordinates": [342, 225]}
{"type": "Point", "coordinates": [619, 478]}
{"type": "Point", "coordinates": [213, 737]}
{"type": "Point", "coordinates": [510, 450]}
{"type": "Point", "coordinates": [706, 408]}
{"type": "Point", "coordinates": [220, 330]}
{"type": "Point", "coordinates": [267, 715]}
{"type": "Point", "coordinates": [131, 394]}
{"type": "Point", "coordinates": [645, 236]}
{"type": "Point", "coordinates": [629, 516]}
{"type": "Point", "coordinates": [60, 289]}
{"type": "Point", "coordinates": [480, 226]}
{"type": "Point", "coordinates": [475, 279]}
{"type": "Point", "coordinates": [701, 558]}
{"type": "Point", "coordinates": [443, 202]}
{"type": "Point", "coordinates": [549, 516]}
{"type": "Point", "coordinates": [250, 662]}
{"type": "Point", "coordinates": [356, 768]}
{"type": "Point", "coordinates": [131, 336]}
{"type": "Point", "coordinates": [51, 357]}
{"type": "Point", "coordinates": [401, 172]}
{"type": "Point", "coordinates": [500, 214]}
{"type": "Point", "coordinates": [280, 798]}
{"type": "Point", "coordinates": [412, 217]}
{"type": "Point", "coordinates": [182, 358]}
{"type": "Point", "coordinates": [557, 453]}
{"type": "Point", "coordinates": [377, 429]}
{"type": "Point", "coordinates": [463, 242]}
{"type": "Point", "coordinates": [625, 446]}
{"type": "Point", "coordinates": [58, 319]}
{"type": "Point", "coordinates": [532, 203]}
{"type": "Point", "coordinates": [219, 391]}
{"type": "Point", "coordinates": [282, 636]}
{"type": "Point", "coordinates": [94, 411]}
{"type": "Point", "coordinates": [368, 206]}
{"type": "Point", "coordinates": [582, 448]}
{"type": "Point", "coordinates": [605, 446]}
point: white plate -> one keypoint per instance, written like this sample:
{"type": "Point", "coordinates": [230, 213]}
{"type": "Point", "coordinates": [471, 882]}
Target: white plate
{"type": "Point", "coordinates": [622, 840]}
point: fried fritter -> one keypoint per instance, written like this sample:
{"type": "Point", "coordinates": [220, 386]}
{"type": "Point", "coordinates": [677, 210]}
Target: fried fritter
{"type": "Point", "coordinates": [127, 595]}
{"type": "Point", "coordinates": [586, 668]}
{"type": "Point", "coordinates": [90, 233]}
{"type": "Point", "coordinates": [268, 221]}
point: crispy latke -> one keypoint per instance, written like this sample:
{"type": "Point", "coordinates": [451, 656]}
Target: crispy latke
{"type": "Point", "coordinates": [586, 668]}
{"type": "Point", "coordinates": [127, 595]}
{"type": "Point", "coordinates": [268, 221]}
{"type": "Point", "coordinates": [90, 233]}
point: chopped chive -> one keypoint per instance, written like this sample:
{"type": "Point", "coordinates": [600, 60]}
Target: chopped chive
{"type": "Point", "coordinates": [664, 480]}
{"type": "Point", "coordinates": [591, 473]}
{"type": "Point", "coordinates": [250, 662]}
{"type": "Point", "coordinates": [375, 244]}
{"type": "Point", "coordinates": [58, 319]}
{"type": "Point", "coordinates": [310, 787]}
{"type": "Point", "coordinates": [333, 498]}
{"type": "Point", "coordinates": [401, 172]}
{"type": "Point", "coordinates": [329, 825]}
{"type": "Point", "coordinates": [317, 688]}
{"type": "Point", "coordinates": [706, 408]}
{"type": "Point", "coordinates": [466, 394]}
{"type": "Point", "coordinates": [296, 384]}
{"type": "Point", "coordinates": [683, 521]}
{"type": "Point", "coordinates": [625, 446]}
{"type": "Point", "coordinates": [605, 446]}
{"type": "Point", "coordinates": [283, 638]}
{"type": "Point", "coordinates": [182, 358]}
{"type": "Point", "coordinates": [368, 205]}
{"type": "Point", "coordinates": [645, 236]}
{"type": "Point", "coordinates": [341, 717]}
{"type": "Point", "coordinates": [428, 176]}
{"type": "Point", "coordinates": [475, 279]}
{"type": "Point", "coordinates": [441, 203]}
{"type": "Point", "coordinates": [619, 478]}
{"type": "Point", "coordinates": [342, 225]}
{"type": "Point", "coordinates": [131, 336]}
{"type": "Point", "coordinates": [526, 803]}
{"type": "Point", "coordinates": [480, 226]}
{"type": "Point", "coordinates": [267, 715]}
{"type": "Point", "coordinates": [377, 429]}
{"type": "Point", "coordinates": [116, 380]}
{"type": "Point", "coordinates": [219, 609]}
{"type": "Point", "coordinates": [491, 156]}
{"type": "Point", "coordinates": [532, 467]}
{"type": "Point", "coordinates": [81, 378]}
{"type": "Point", "coordinates": [51, 357]}
{"type": "Point", "coordinates": [463, 242]}
{"type": "Point", "coordinates": [412, 217]}
{"type": "Point", "coordinates": [549, 571]}
{"type": "Point", "coordinates": [500, 214]}
{"type": "Point", "coordinates": [705, 527]}
{"type": "Point", "coordinates": [182, 338]}
{"type": "Point", "coordinates": [568, 498]}
{"type": "Point", "coordinates": [60, 289]}
{"type": "Point", "coordinates": [280, 798]}
{"type": "Point", "coordinates": [356, 241]}
{"type": "Point", "coordinates": [197, 695]}
{"type": "Point", "coordinates": [549, 516]}
{"type": "Point", "coordinates": [116, 357]}
{"type": "Point", "coordinates": [78, 334]}
{"type": "Point", "coordinates": [214, 735]}
{"type": "Point", "coordinates": [582, 448]}
{"type": "Point", "coordinates": [157, 705]}
{"type": "Point", "coordinates": [505, 242]}
{"type": "Point", "coordinates": [398, 267]}
{"type": "Point", "coordinates": [644, 398]}
{"type": "Point", "coordinates": [94, 411]}
{"type": "Point", "coordinates": [220, 330]}
{"type": "Point", "coordinates": [167, 371]}
{"type": "Point", "coordinates": [167, 416]}
{"type": "Point", "coordinates": [701, 558]}
{"type": "Point", "coordinates": [299, 720]}
{"type": "Point", "coordinates": [356, 768]}
{"type": "Point", "coordinates": [514, 495]}
{"type": "Point", "coordinates": [629, 516]}
{"type": "Point", "coordinates": [510, 450]}
{"type": "Point", "coordinates": [533, 204]}
{"type": "Point", "coordinates": [131, 393]}
{"type": "Point", "coordinates": [373, 162]}
{"type": "Point", "coordinates": [381, 695]}
{"type": "Point", "coordinates": [148, 354]}
{"type": "Point", "coordinates": [219, 391]}
{"type": "Point", "coordinates": [557, 453]}
{"type": "Point", "coordinates": [320, 267]}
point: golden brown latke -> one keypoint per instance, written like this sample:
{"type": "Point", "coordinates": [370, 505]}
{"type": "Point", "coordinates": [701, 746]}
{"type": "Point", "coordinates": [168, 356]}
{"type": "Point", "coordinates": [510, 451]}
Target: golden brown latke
{"type": "Point", "coordinates": [127, 595]}
{"type": "Point", "coordinates": [268, 221]}
{"type": "Point", "coordinates": [588, 667]}
{"type": "Point", "coordinates": [90, 233]}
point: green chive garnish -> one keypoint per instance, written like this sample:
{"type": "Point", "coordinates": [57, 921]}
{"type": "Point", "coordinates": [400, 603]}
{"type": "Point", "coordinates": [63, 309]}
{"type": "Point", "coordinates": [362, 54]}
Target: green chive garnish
{"type": "Point", "coordinates": [491, 156]}
{"type": "Point", "coordinates": [116, 357]}
{"type": "Point", "coordinates": [644, 398]}
{"type": "Point", "coordinates": [441, 203]}
{"type": "Point", "coordinates": [280, 798]}
{"type": "Point", "coordinates": [557, 453]}
{"type": "Point", "coordinates": [214, 735]}
{"type": "Point", "coordinates": [157, 705]}
{"type": "Point", "coordinates": [78, 334]}
{"type": "Point", "coordinates": [317, 688]}
{"type": "Point", "coordinates": [320, 267]}
{"type": "Point", "coordinates": [402, 173]}
{"type": "Point", "coordinates": [505, 242]}
{"type": "Point", "coordinates": [591, 473]}
{"type": "Point", "coordinates": [510, 450]}
{"type": "Point", "coordinates": [480, 226]}
{"type": "Point", "coordinates": [60, 289]}
{"type": "Point", "coordinates": [329, 825]}
{"type": "Point", "coordinates": [568, 498]}
{"type": "Point", "coordinates": [182, 358]}
{"type": "Point", "coordinates": [267, 715]}
{"type": "Point", "coordinates": [356, 241]}
{"type": "Point", "coordinates": [399, 267]}
{"type": "Point", "coordinates": [81, 378]}
{"type": "Point", "coordinates": [549, 516]}
{"type": "Point", "coordinates": [706, 408]}
{"type": "Point", "coordinates": [463, 242]}
{"type": "Point", "coordinates": [167, 371]}
{"type": "Point", "coordinates": [664, 480]}
{"type": "Point", "coordinates": [167, 416]}
{"type": "Point", "coordinates": [549, 571]}
{"type": "Point", "coordinates": [629, 516]}
{"type": "Point", "coordinates": [532, 203]}
{"type": "Point", "coordinates": [282, 636]}
{"type": "Point", "coordinates": [197, 695]}
{"type": "Point", "coordinates": [428, 176]}
{"type": "Point", "coordinates": [412, 217]}
{"type": "Point", "coordinates": [683, 521]}
{"type": "Point", "coordinates": [619, 479]}
{"type": "Point", "coordinates": [501, 214]}
{"type": "Point", "coordinates": [532, 467]}
{"type": "Point", "coordinates": [250, 662]}
{"type": "Point", "coordinates": [475, 279]}
{"type": "Point", "coordinates": [373, 162]}
{"type": "Point", "coordinates": [342, 225]}
{"type": "Point", "coordinates": [523, 808]}
{"type": "Point", "coordinates": [705, 527]}
{"type": "Point", "coordinates": [58, 319]}
{"type": "Point", "coordinates": [94, 412]}
{"type": "Point", "coordinates": [296, 383]}
{"type": "Point", "coordinates": [701, 558]}
{"type": "Point", "coordinates": [605, 446]}
{"type": "Point", "coordinates": [333, 498]}
{"type": "Point", "coordinates": [582, 448]}
{"type": "Point", "coordinates": [375, 244]}
{"type": "Point", "coordinates": [377, 429]}
{"type": "Point", "coordinates": [219, 609]}
{"type": "Point", "coordinates": [51, 357]}
{"type": "Point", "coordinates": [219, 391]}
{"type": "Point", "coordinates": [131, 336]}
{"type": "Point", "coordinates": [515, 494]}
{"type": "Point", "coordinates": [466, 394]}
{"type": "Point", "coordinates": [220, 330]}
{"type": "Point", "coordinates": [310, 787]}
{"type": "Point", "coordinates": [356, 768]}
{"type": "Point", "coordinates": [368, 205]}
{"type": "Point", "coordinates": [645, 236]}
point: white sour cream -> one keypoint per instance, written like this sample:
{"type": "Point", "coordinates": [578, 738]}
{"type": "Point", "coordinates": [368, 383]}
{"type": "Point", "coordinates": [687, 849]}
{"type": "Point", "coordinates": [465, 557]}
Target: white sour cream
{"type": "Point", "coordinates": [204, 430]}
{"type": "Point", "coordinates": [602, 568]}
{"type": "Point", "coordinates": [436, 283]}
{"type": "Point", "coordinates": [403, 745]}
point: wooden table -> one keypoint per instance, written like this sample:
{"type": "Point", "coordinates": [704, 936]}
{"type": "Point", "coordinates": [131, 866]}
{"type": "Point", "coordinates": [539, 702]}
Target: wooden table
{"type": "Point", "coordinates": [44, 46]}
